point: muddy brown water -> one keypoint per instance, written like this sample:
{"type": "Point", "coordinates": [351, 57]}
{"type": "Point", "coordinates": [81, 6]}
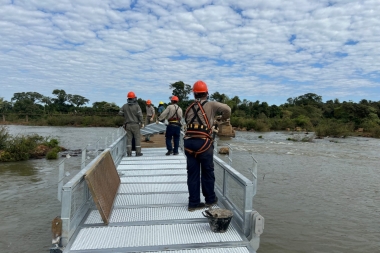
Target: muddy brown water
{"type": "Point", "coordinates": [321, 196]}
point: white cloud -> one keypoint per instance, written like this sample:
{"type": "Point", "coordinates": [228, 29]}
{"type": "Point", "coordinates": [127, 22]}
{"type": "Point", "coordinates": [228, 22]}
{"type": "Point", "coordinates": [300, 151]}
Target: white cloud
{"type": "Point", "coordinates": [253, 49]}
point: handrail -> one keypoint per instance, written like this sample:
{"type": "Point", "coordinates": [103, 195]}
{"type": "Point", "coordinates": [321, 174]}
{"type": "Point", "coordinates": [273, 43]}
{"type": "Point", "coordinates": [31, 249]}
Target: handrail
{"type": "Point", "coordinates": [234, 190]}
{"type": "Point", "coordinates": [119, 132]}
{"type": "Point", "coordinates": [76, 198]}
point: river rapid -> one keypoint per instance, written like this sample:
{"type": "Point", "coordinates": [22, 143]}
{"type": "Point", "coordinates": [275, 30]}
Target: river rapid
{"type": "Point", "coordinates": [319, 196]}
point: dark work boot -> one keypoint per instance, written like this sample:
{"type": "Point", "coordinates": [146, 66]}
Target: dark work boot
{"type": "Point", "coordinates": [138, 151]}
{"type": "Point", "coordinates": [169, 152]}
{"type": "Point", "coordinates": [197, 207]}
{"type": "Point", "coordinates": [129, 152]}
{"type": "Point", "coordinates": [213, 203]}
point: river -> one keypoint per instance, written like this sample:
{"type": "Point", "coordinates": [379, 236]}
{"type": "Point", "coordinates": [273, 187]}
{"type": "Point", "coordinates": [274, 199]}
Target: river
{"type": "Point", "coordinates": [319, 196]}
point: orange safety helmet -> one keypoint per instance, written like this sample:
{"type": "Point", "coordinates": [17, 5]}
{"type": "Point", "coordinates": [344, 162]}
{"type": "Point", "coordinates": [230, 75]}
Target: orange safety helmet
{"type": "Point", "coordinates": [200, 87]}
{"type": "Point", "coordinates": [174, 98]}
{"type": "Point", "coordinates": [148, 102]}
{"type": "Point", "coordinates": [131, 94]}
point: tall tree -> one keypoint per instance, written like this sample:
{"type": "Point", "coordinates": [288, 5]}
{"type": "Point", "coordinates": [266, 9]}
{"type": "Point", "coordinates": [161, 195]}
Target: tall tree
{"type": "Point", "coordinates": [46, 101]}
{"type": "Point", "coordinates": [308, 99]}
{"type": "Point", "coordinates": [222, 98]}
{"type": "Point", "coordinates": [25, 102]}
{"type": "Point", "coordinates": [78, 100]}
{"type": "Point", "coordinates": [62, 97]}
{"type": "Point", "coordinates": [181, 90]}
{"type": "Point", "coordinates": [61, 103]}
{"type": "Point", "coordinates": [34, 97]}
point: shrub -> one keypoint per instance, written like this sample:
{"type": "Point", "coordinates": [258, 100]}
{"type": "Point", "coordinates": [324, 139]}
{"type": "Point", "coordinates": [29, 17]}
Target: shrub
{"type": "Point", "coordinates": [52, 154]}
{"type": "Point", "coordinates": [52, 143]}
{"type": "Point", "coordinates": [3, 137]}
{"type": "Point", "coordinates": [334, 129]}
{"type": "Point", "coordinates": [20, 148]}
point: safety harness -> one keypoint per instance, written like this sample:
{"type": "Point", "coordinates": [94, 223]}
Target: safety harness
{"type": "Point", "coordinates": [174, 120]}
{"type": "Point", "coordinates": [199, 129]}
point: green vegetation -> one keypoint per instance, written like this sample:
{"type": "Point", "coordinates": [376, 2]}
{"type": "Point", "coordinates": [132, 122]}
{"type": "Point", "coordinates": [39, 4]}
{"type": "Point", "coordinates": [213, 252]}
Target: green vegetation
{"type": "Point", "coordinates": [307, 113]}
{"type": "Point", "coordinates": [20, 148]}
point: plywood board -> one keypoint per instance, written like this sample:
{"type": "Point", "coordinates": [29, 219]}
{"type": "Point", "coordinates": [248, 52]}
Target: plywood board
{"type": "Point", "coordinates": [103, 181]}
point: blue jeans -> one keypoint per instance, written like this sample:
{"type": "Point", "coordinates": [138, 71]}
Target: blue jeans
{"type": "Point", "coordinates": [200, 172]}
{"type": "Point", "coordinates": [172, 131]}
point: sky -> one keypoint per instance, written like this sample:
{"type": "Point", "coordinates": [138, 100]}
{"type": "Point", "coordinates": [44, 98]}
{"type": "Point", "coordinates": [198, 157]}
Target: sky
{"type": "Point", "coordinates": [254, 49]}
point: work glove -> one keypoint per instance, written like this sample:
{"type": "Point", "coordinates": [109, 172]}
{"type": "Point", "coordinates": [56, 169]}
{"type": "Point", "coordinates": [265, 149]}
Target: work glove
{"type": "Point", "coordinates": [151, 119]}
{"type": "Point", "coordinates": [157, 121]}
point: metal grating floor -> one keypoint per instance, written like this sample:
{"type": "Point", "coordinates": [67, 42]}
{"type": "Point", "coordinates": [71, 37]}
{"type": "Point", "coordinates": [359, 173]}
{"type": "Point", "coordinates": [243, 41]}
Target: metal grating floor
{"type": "Point", "coordinates": [123, 167]}
{"type": "Point", "coordinates": [153, 235]}
{"type": "Point", "coordinates": [150, 214]}
{"type": "Point", "coordinates": [145, 214]}
{"type": "Point", "coordinates": [152, 188]}
{"type": "Point", "coordinates": [152, 172]}
{"type": "Point", "coordinates": [154, 179]}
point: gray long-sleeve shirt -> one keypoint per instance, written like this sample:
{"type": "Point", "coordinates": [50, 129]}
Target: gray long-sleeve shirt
{"type": "Point", "coordinates": [132, 113]}
{"type": "Point", "coordinates": [170, 112]}
{"type": "Point", "coordinates": [149, 111]}
{"type": "Point", "coordinates": [211, 109]}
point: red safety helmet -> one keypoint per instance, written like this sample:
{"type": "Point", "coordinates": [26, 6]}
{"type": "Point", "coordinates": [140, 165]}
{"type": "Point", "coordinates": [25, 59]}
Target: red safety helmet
{"type": "Point", "coordinates": [148, 102]}
{"type": "Point", "coordinates": [200, 87]}
{"type": "Point", "coordinates": [174, 98]}
{"type": "Point", "coordinates": [131, 94]}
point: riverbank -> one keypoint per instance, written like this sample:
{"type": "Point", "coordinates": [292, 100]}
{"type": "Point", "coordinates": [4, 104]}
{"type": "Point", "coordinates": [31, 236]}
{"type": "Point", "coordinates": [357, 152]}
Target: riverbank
{"type": "Point", "coordinates": [324, 128]}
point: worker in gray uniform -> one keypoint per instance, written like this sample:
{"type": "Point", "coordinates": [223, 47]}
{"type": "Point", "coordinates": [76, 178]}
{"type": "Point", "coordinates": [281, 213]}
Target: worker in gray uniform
{"type": "Point", "coordinates": [150, 112]}
{"type": "Point", "coordinates": [133, 122]}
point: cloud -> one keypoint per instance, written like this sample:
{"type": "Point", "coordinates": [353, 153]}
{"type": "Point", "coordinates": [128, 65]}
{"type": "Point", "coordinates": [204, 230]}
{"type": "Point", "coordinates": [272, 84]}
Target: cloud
{"type": "Point", "coordinates": [257, 50]}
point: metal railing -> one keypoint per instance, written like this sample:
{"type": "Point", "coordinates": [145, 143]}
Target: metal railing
{"type": "Point", "coordinates": [74, 195]}
{"type": "Point", "coordinates": [107, 140]}
{"type": "Point", "coordinates": [236, 190]}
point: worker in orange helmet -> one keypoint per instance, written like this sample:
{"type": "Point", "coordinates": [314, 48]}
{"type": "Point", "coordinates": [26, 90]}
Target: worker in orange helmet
{"type": "Point", "coordinates": [150, 112]}
{"type": "Point", "coordinates": [173, 113]}
{"type": "Point", "coordinates": [199, 147]}
{"type": "Point", "coordinates": [133, 122]}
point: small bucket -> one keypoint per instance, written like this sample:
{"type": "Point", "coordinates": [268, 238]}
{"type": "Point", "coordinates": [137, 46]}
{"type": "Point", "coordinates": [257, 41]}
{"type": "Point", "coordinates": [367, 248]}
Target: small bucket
{"type": "Point", "coordinates": [219, 219]}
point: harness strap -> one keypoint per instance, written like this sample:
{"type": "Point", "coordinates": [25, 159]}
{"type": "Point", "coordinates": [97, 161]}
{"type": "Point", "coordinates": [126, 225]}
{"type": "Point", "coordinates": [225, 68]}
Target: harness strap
{"type": "Point", "coordinates": [204, 147]}
{"type": "Point", "coordinates": [198, 129]}
{"type": "Point", "coordinates": [172, 119]}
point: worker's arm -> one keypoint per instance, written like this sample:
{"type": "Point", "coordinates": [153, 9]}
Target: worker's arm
{"type": "Point", "coordinates": [164, 114]}
{"type": "Point", "coordinates": [225, 110]}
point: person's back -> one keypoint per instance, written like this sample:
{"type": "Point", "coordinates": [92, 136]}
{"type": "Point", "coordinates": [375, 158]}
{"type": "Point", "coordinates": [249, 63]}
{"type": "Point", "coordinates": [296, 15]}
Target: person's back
{"type": "Point", "coordinates": [133, 121]}
{"type": "Point", "coordinates": [132, 113]}
{"type": "Point", "coordinates": [160, 108]}
{"type": "Point", "coordinates": [173, 114]}
{"type": "Point", "coordinates": [199, 149]}
{"type": "Point", "coordinates": [211, 109]}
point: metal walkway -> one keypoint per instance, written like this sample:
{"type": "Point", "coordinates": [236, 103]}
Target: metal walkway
{"type": "Point", "coordinates": [150, 213]}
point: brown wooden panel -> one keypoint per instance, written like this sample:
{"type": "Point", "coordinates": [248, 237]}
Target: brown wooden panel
{"type": "Point", "coordinates": [103, 181]}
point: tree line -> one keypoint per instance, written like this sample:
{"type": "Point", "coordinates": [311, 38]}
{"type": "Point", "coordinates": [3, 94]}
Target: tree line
{"type": "Point", "coordinates": [307, 111]}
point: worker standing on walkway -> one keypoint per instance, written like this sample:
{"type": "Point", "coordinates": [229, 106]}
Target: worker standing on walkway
{"type": "Point", "coordinates": [199, 148]}
{"type": "Point", "coordinates": [149, 112]}
{"type": "Point", "coordinates": [160, 108]}
{"type": "Point", "coordinates": [173, 113]}
{"type": "Point", "coordinates": [133, 122]}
